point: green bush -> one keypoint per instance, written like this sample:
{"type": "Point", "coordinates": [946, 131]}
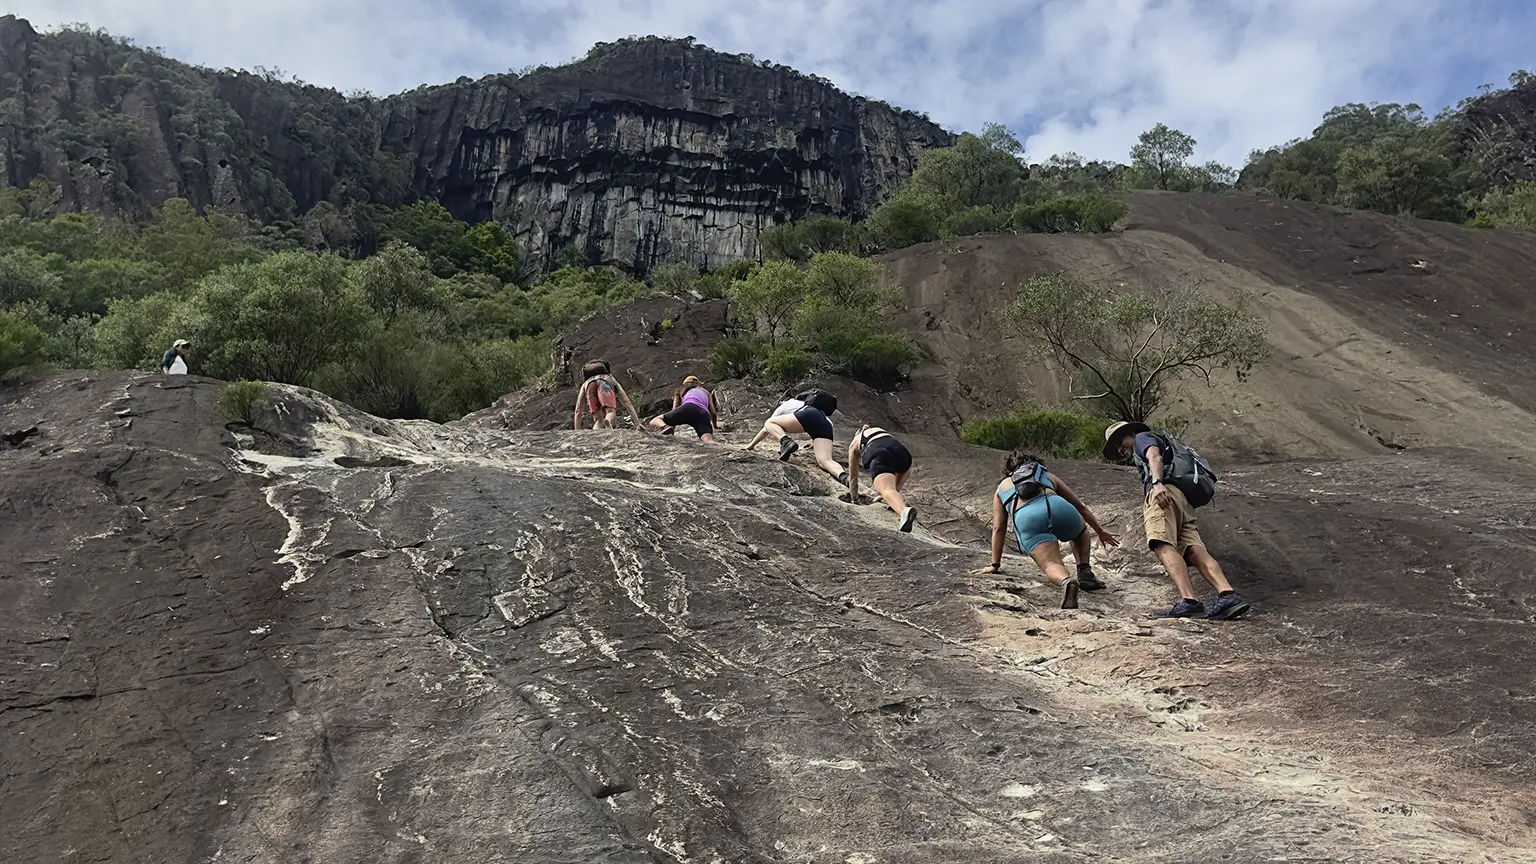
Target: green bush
{"type": "Point", "coordinates": [21, 343]}
{"type": "Point", "coordinates": [240, 400]}
{"type": "Point", "coordinates": [736, 357]}
{"type": "Point", "coordinates": [1070, 214]}
{"type": "Point", "coordinates": [471, 377]}
{"type": "Point", "coordinates": [787, 364]}
{"type": "Point", "coordinates": [975, 220]}
{"type": "Point", "coordinates": [1056, 434]}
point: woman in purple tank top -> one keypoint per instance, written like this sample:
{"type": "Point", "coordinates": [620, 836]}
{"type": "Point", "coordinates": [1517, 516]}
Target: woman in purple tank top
{"type": "Point", "coordinates": [694, 405]}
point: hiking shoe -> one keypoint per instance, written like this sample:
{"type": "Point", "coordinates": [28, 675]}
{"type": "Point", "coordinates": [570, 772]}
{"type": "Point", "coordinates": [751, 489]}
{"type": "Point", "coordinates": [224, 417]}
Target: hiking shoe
{"type": "Point", "coordinates": [1183, 609]}
{"type": "Point", "coordinates": [842, 478]}
{"type": "Point", "coordinates": [787, 448]}
{"type": "Point", "coordinates": [908, 519]}
{"type": "Point", "coordinates": [1089, 581]}
{"type": "Point", "coordinates": [1229, 608]}
{"type": "Point", "coordinates": [1069, 594]}
{"type": "Point", "coordinates": [668, 430]}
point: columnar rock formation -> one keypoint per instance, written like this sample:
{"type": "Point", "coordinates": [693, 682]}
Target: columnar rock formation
{"type": "Point", "coordinates": [648, 150]}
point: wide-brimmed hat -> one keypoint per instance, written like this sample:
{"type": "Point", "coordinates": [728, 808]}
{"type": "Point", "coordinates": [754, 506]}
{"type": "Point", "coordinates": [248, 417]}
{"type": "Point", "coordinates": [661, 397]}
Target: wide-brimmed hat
{"type": "Point", "coordinates": [1115, 433]}
{"type": "Point", "coordinates": [179, 343]}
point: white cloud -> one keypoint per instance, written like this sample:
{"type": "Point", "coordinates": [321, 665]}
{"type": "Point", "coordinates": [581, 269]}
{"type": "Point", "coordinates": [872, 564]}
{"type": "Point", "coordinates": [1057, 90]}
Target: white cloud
{"type": "Point", "coordinates": [1081, 75]}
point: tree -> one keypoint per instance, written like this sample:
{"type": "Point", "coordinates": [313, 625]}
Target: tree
{"type": "Point", "coordinates": [25, 276]}
{"type": "Point", "coordinates": [769, 296]}
{"type": "Point", "coordinates": [1000, 137]}
{"type": "Point", "coordinates": [1508, 208]}
{"type": "Point", "coordinates": [279, 319]}
{"type": "Point", "coordinates": [1395, 175]}
{"type": "Point", "coordinates": [135, 332]}
{"type": "Point", "coordinates": [1122, 350]}
{"type": "Point", "coordinates": [1160, 156]}
{"type": "Point", "coordinates": [397, 280]}
{"type": "Point", "coordinates": [496, 251]}
{"type": "Point", "coordinates": [848, 280]}
{"type": "Point", "coordinates": [674, 278]}
{"type": "Point", "coordinates": [21, 343]}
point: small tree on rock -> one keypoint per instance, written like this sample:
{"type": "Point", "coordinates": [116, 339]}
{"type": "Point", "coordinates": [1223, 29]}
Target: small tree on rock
{"type": "Point", "coordinates": [1160, 156]}
{"type": "Point", "coordinates": [1122, 350]}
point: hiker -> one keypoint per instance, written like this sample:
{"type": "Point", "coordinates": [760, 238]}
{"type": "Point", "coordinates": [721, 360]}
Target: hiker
{"type": "Point", "coordinates": [1175, 480]}
{"type": "Point", "coordinates": [1044, 513]}
{"type": "Point", "coordinates": [693, 404]}
{"type": "Point", "coordinates": [598, 391]}
{"type": "Point", "coordinates": [174, 361]}
{"type": "Point", "coordinates": [888, 462]}
{"type": "Point", "coordinates": [806, 413]}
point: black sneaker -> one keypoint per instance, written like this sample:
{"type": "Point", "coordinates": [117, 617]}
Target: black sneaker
{"type": "Point", "coordinates": [1183, 609]}
{"type": "Point", "coordinates": [1089, 581]}
{"type": "Point", "coordinates": [668, 430]}
{"type": "Point", "coordinates": [908, 519]}
{"type": "Point", "coordinates": [787, 448]}
{"type": "Point", "coordinates": [1069, 594]}
{"type": "Point", "coordinates": [1229, 608]}
{"type": "Point", "coordinates": [842, 478]}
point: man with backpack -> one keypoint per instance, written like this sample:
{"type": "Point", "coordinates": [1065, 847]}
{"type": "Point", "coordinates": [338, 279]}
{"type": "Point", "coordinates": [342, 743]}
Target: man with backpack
{"type": "Point", "coordinates": [1175, 480]}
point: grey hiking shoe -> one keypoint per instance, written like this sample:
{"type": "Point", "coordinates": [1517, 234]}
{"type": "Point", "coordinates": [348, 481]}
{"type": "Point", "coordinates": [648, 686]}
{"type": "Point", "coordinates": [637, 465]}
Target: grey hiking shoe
{"type": "Point", "coordinates": [1229, 608]}
{"type": "Point", "coordinates": [1069, 594]}
{"type": "Point", "coordinates": [1185, 608]}
{"type": "Point", "coordinates": [787, 448]}
{"type": "Point", "coordinates": [908, 519]}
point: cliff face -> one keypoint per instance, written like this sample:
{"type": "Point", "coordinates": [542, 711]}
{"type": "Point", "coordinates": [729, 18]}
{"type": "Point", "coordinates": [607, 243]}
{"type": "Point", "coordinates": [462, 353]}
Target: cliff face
{"type": "Point", "coordinates": [655, 150]}
{"type": "Point", "coordinates": [1502, 126]}
{"type": "Point", "coordinates": [647, 151]}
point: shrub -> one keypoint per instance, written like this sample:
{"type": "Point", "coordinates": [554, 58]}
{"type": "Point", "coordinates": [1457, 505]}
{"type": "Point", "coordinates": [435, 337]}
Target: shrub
{"type": "Point", "coordinates": [240, 400]}
{"type": "Point", "coordinates": [736, 357]}
{"type": "Point", "coordinates": [881, 360]}
{"type": "Point", "coordinates": [1076, 214]}
{"type": "Point", "coordinates": [787, 364]}
{"type": "Point", "coordinates": [1057, 434]}
{"type": "Point", "coordinates": [975, 220]}
{"type": "Point", "coordinates": [474, 376]}
{"type": "Point", "coordinates": [674, 279]}
{"type": "Point", "coordinates": [21, 343]}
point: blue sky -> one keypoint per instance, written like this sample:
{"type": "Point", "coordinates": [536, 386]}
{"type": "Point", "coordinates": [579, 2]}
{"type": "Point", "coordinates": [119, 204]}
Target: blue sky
{"type": "Point", "coordinates": [1079, 75]}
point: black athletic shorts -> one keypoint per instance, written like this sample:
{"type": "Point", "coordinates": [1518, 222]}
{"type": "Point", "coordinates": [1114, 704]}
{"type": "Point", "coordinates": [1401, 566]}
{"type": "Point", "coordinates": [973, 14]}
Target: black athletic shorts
{"type": "Point", "coordinates": [691, 415]}
{"type": "Point", "coordinates": [814, 423]}
{"type": "Point", "coordinates": [884, 455]}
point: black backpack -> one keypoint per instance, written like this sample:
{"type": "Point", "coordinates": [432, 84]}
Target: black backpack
{"type": "Point", "coordinates": [1185, 470]}
{"type": "Point", "coordinates": [819, 399]}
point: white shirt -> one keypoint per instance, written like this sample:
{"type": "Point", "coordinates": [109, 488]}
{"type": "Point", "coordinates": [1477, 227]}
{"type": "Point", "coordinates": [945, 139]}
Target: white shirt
{"type": "Point", "coordinates": [788, 406]}
{"type": "Point", "coordinates": [178, 366]}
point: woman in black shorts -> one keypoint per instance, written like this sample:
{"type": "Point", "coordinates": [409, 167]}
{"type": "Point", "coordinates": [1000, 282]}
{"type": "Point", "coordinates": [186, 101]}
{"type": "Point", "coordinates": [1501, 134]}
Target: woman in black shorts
{"type": "Point", "coordinates": [798, 415]}
{"type": "Point", "coordinates": [878, 452]}
{"type": "Point", "coordinates": [693, 404]}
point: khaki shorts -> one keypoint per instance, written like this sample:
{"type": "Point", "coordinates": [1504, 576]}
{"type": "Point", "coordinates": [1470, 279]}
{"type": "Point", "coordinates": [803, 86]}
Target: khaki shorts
{"type": "Point", "coordinates": [1174, 526]}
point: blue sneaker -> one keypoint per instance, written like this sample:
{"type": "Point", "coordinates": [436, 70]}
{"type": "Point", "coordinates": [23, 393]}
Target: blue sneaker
{"type": "Point", "coordinates": [1229, 608]}
{"type": "Point", "coordinates": [1183, 609]}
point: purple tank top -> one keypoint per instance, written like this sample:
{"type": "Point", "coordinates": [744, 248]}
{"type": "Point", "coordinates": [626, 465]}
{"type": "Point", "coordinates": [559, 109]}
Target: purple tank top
{"type": "Point", "coordinates": [697, 396]}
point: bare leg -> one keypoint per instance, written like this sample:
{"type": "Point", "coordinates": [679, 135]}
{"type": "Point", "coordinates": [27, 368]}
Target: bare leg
{"type": "Point", "coordinates": [822, 447]}
{"type": "Point", "coordinates": [707, 437]}
{"type": "Point", "coordinates": [1047, 556]}
{"type": "Point", "coordinates": [608, 418]}
{"type": "Point", "coordinates": [1174, 564]}
{"type": "Point", "coordinates": [776, 428]}
{"type": "Point", "coordinates": [1082, 547]}
{"type": "Point", "coordinates": [887, 486]}
{"type": "Point", "coordinates": [658, 423]}
{"type": "Point", "coordinates": [901, 479]}
{"type": "Point", "coordinates": [1208, 568]}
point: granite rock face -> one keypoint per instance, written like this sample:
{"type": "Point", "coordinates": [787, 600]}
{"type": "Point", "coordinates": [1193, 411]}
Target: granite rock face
{"type": "Point", "coordinates": [334, 638]}
{"type": "Point", "coordinates": [648, 150]}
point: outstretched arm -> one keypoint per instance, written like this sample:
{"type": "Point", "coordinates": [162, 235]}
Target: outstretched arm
{"type": "Point", "coordinates": [576, 416]}
{"type": "Point", "coordinates": [999, 534]}
{"type": "Point", "coordinates": [853, 470]}
{"type": "Point", "coordinates": [714, 417]}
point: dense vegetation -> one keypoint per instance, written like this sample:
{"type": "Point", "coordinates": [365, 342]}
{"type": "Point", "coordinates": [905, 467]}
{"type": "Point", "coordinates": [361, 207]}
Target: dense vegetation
{"type": "Point", "coordinates": [432, 324]}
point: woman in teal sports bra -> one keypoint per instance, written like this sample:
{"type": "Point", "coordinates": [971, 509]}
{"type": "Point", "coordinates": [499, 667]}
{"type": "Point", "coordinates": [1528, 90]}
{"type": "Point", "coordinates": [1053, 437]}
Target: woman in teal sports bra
{"type": "Point", "coordinates": [1042, 524]}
